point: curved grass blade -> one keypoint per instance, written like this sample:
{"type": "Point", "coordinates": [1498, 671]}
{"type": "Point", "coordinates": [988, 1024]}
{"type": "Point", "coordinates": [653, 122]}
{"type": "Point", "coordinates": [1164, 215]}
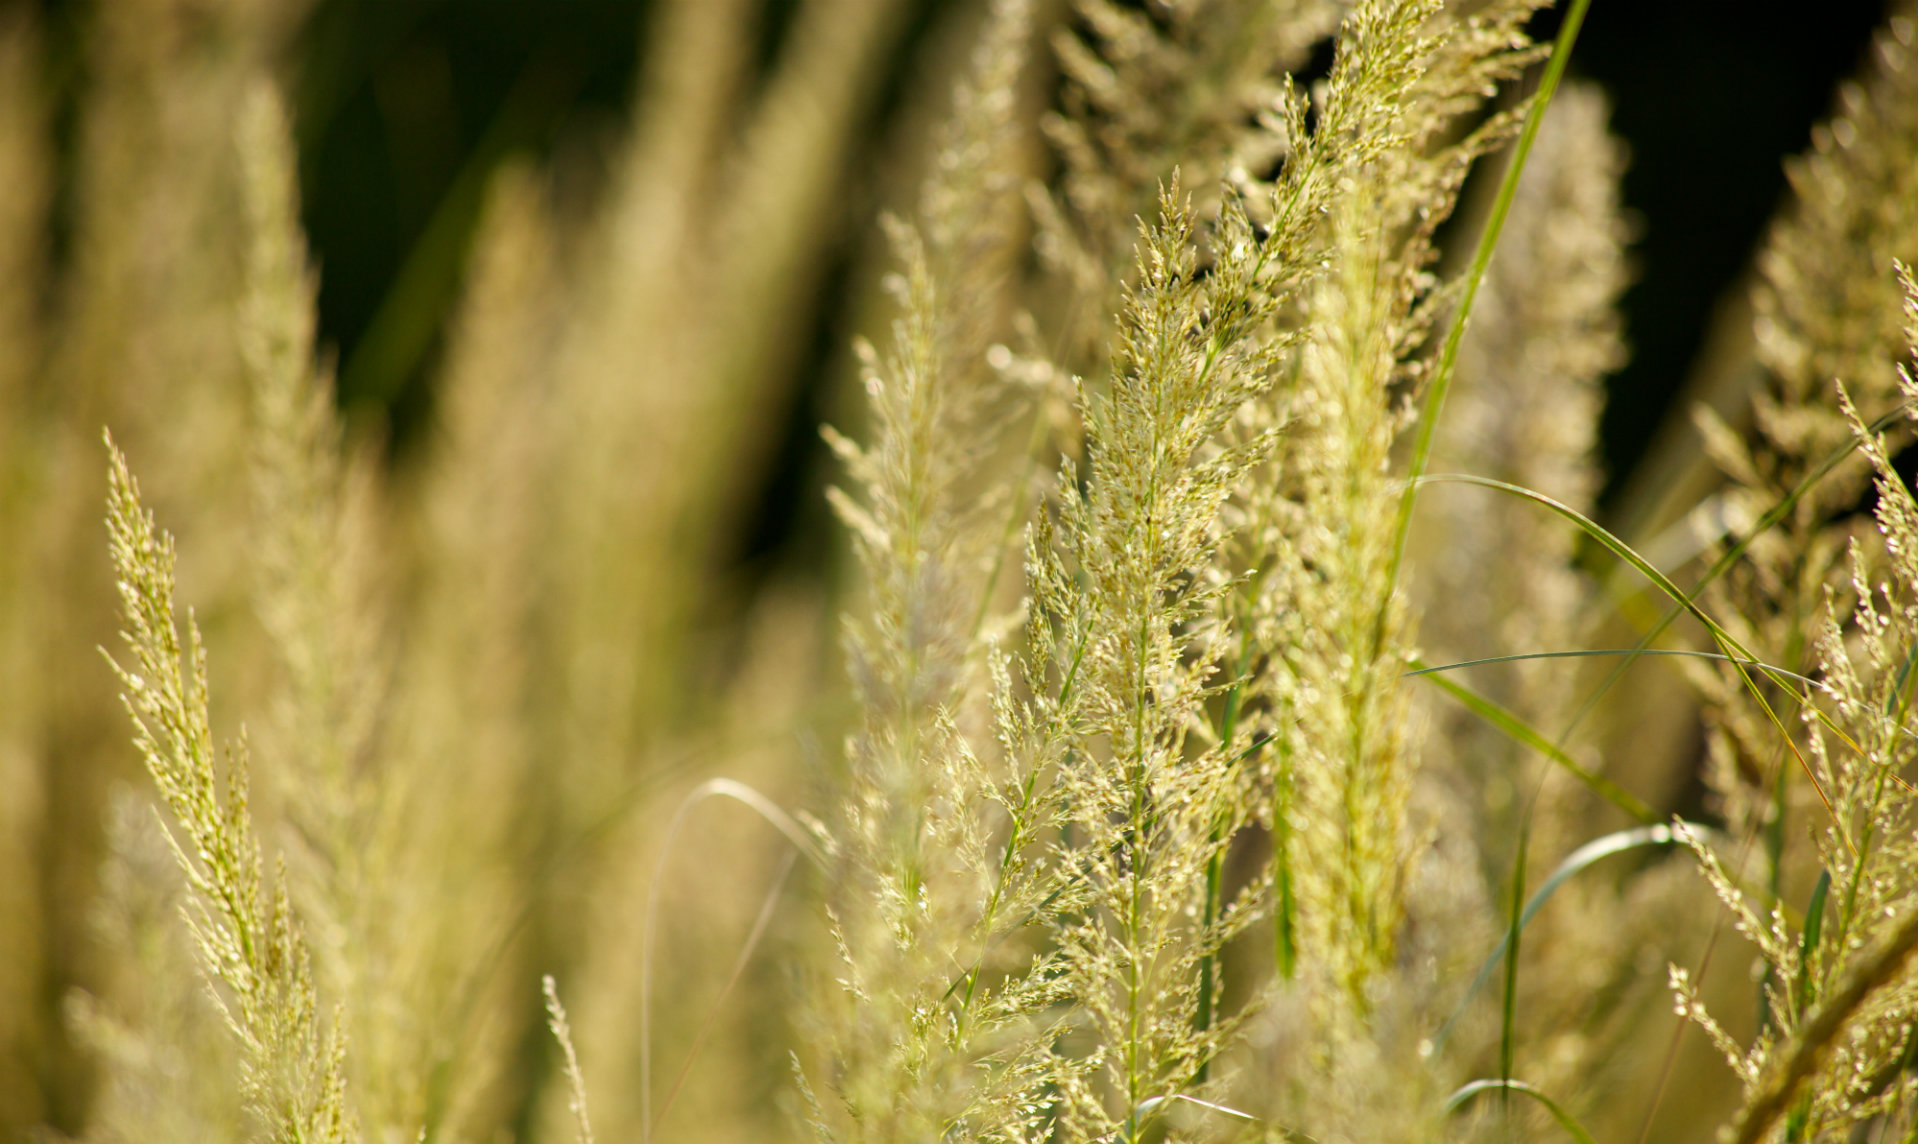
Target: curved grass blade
{"type": "Point", "coordinates": [1519, 731]}
{"type": "Point", "coordinates": [1565, 1119]}
{"type": "Point", "coordinates": [779, 820]}
{"type": "Point", "coordinates": [1733, 554]}
{"type": "Point", "coordinates": [1147, 1110]}
{"type": "Point", "coordinates": [1687, 601]}
{"type": "Point", "coordinates": [1735, 651]}
{"type": "Point", "coordinates": [1150, 1103]}
{"type": "Point", "coordinates": [1605, 538]}
{"type": "Point", "coordinates": [1604, 847]}
{"type": "Point", "coordinates": [744, 957]}
{"type": "Point", "coordinates": [1772, 671]}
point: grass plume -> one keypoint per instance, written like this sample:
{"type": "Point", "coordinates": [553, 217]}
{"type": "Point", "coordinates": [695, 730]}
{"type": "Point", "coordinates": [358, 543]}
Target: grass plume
{"type": "Point", "coordinates": [251, 945]}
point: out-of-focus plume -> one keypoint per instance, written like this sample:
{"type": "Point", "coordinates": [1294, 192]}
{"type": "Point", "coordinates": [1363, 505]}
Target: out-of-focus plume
{"type": "Point", "coordinates": [27, 1023]}
{"type": "Point", "coordinates": [461, 876]}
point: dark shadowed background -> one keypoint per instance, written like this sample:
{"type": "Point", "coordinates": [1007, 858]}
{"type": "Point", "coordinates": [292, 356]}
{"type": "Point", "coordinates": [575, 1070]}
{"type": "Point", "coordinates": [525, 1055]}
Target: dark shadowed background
{"type": "Point", "coordinates": [405, 106]}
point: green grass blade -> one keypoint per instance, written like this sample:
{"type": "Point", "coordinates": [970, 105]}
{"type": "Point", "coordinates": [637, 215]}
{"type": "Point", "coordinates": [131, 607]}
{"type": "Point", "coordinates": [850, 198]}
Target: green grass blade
{"type": "Point", "coordinates": [1519, 731]}
{"type": "Point", "coordinates": [1592, 529]}
{"type": "Point", "coordinates": [1814, 922]}
{"type": "Point", "coordinates": [1595, 653]}
{"type": "Point", "coordinates": [744, 957]}
{"type": "Point", "coordinates": [1578, 860]}
{"type": "Point", "coordinates": [779, 820]}
{"type": "Point", "coordinates": [1776, 514]}
{"type": "Point", "coordinates": [1508, 1015]}
{"type": "Point", "coordinates": [1735, 651]}
{"type": "Point", "coordinates": [1565, 1119]}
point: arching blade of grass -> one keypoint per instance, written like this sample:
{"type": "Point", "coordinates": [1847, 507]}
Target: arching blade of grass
{"type": "Point", "coordinates": [1519, 731]}
{"type": "Point", "coordinates": [1774, 672]}
{"type": "Point", "coordinates": [1734, 651]}
{"type": "Point", "coordinates": [746, 951]}
{"type": "Point", "coordinates": [1565, 1120]}
{"type": "Point", "coordinates": [1732, 555]}
{"type": "Point", "coordinates": [775, 817]}
{"type": "Point", "coordinates": [1579, 859]}
{"type": "Point", "coordinates": [616, 810]}
{"type": "Point", "coordinates": [1150, 1108]}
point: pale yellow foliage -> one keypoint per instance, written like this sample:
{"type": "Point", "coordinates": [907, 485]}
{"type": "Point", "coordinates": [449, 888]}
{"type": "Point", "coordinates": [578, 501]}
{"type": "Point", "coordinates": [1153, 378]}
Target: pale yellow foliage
{"type": "Point", "coordinates": [1124, 820]}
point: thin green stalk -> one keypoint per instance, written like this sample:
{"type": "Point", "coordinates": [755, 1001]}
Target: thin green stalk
{"type": "Point", "coordinates": [1808, 947]}
{"type": "Point", "coordinates": [1515, 929]}
{"type": "Point", "coordinates": [1285, 940]}
{"type": "Point", "coordinates": [1209, 969]}
{"type": "Point", "coordinates": [1578, 860]}
{"type": "Point", "coordinates": [1481, 259]}
{"type": "Point", "coordinates": [1519, 731]}
{"type": "Point", "coordinates": [1594, 653]}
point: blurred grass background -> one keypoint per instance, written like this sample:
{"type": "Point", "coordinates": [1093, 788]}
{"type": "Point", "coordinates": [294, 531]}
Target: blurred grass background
{"type": "Point", "coordinates": [404, 108]}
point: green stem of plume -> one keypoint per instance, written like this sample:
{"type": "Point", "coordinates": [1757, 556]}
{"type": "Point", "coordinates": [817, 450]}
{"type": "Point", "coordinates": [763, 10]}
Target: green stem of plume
{"type": "Point", "coordinates": [1514, 930]}
{"type": "Point", "coordinates": [1735, 653]}
{"type": "Point", "coordinates": [1210, 971]}
{"type": "Point", "coordinates": [1285, 912]}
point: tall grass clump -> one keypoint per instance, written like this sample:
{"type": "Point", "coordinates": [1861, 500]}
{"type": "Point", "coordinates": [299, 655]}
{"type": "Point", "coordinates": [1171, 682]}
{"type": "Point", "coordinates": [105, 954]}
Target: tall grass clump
{"type": "Point", "coordinates": [1221, 740]}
